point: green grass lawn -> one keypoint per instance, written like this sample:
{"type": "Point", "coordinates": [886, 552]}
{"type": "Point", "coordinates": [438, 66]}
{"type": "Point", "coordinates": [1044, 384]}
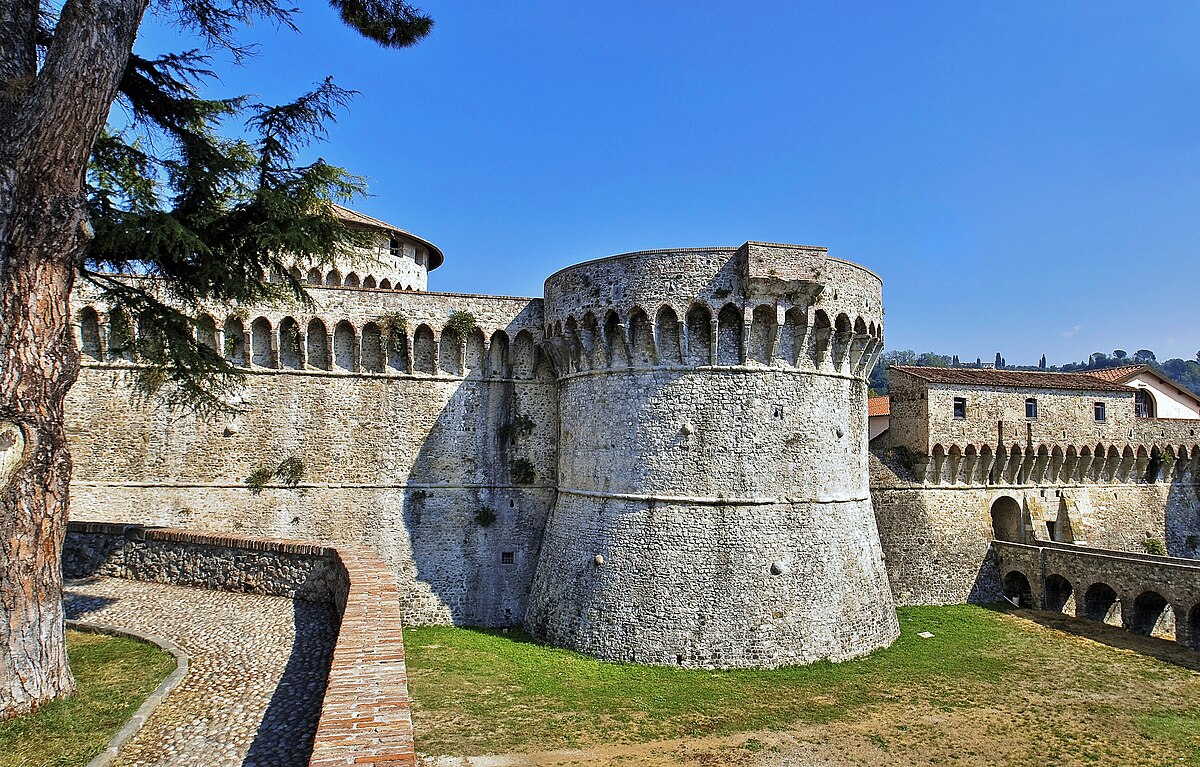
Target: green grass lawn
{"type": "Point", "coordinates": [114, 674]}
{"type": "Point", "coordinates": [988, 683]}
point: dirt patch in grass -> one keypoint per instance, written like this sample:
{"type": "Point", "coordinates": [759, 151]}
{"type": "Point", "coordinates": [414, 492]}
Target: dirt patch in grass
{"type": "Point", "coordinates": [114, 674]}
{"type": "Point", "coordinates": [989, 688]}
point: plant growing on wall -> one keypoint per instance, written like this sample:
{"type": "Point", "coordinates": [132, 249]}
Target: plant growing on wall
{"type": "Point", "coordinates": [522, 471]}
{"type": "Point", "coordinates": [293, 338]}
{"type": "Point", "coordinates": [485, 517]}
{"type": "Point", "coordinates": [462, 323]}
{"type": "Point", "coordinates": [520, 426]}
{"type": "Point", "coordinates": [289, 472]}
{"type": "Point", "coordinates": [393, 326]}
{"type": "Point", "coordinates": [1155, 546]}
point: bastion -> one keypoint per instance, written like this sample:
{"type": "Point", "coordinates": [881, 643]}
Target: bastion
{"type": "Point", "coordinates": [713, 506]}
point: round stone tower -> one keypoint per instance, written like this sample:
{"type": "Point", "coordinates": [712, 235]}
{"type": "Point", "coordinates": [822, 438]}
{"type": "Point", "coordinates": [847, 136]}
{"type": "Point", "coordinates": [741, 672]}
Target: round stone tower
{"type": "Point", "coordinates": [713, 505]}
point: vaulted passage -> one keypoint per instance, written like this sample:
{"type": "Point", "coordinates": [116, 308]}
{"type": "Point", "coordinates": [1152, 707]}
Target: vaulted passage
{"type": "Point", "coordinates": [1016, 588]}
{"type": "Point", "coordinates": [1058, 594]}
{"type": "Point", "coordinates": [1149, 611]}
{"type": "Point", "coordinates": [1006, 519]}
{"type": "Point", "coordinates": [1100, 603]}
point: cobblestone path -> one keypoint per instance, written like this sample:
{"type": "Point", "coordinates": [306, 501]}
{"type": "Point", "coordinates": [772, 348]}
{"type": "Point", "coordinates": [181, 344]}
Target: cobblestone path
{"type": "Point", "coordinates": [256, 676]}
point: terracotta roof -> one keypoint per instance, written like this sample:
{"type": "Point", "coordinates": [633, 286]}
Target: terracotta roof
{"type": "Point", "coordinates": [362, 219]}
{"type": "Point", "coordinates": [1119, 375]}
{"type": "Point", "coordinates": [1023, 379]}
{"type": "Point", "coordinates": [878, 406]}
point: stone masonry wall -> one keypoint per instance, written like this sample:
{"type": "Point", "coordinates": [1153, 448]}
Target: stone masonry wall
{"type": "Point", "coordinates": [713, 507]}
{"type": "Point", "coordinates": [448, 473]}
{"type": "Point", "coordinates": [935, 538]}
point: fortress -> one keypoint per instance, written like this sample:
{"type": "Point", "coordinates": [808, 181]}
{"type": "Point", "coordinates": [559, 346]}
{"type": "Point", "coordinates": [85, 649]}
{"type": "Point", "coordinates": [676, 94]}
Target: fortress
{"type": "Point", "coordinates": [664, 460]}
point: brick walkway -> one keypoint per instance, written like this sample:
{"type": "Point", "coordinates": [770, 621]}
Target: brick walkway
{"type": "Point", "coordinates": [256, 677]}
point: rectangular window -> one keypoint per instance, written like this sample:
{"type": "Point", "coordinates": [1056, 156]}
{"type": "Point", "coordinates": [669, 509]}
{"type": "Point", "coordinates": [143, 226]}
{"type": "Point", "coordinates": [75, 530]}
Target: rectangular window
{"type": "Point", "coordinates": [508, 557]}
{"type": "Point", "coordinates": [1099, 411]}
{"type": "Point", "coordinates": [960, 407]}
{"type": "Point", "coordinates": [1031, 408]}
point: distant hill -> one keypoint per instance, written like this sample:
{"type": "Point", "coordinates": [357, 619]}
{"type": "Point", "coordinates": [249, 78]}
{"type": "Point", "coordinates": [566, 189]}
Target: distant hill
{"type": "Point", "coordinates": [1184, 372]}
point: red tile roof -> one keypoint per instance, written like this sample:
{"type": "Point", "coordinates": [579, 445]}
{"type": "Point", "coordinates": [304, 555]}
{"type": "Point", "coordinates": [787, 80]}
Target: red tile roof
{"type": "Point", "coordinates": [1023, 379]}
{"type": "Point", "coordinates": [878, 406]}
{"type": "Point", "coordinates": [1119, 375]}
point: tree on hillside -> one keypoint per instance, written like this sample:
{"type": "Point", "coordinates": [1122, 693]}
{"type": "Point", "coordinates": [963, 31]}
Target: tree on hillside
{"type": "Point", "coordinates": [1144, 357]}
{"type": "Point", "coordinates": [1120, 354]}
{"type": "Point", "coordinates": [161, 195]}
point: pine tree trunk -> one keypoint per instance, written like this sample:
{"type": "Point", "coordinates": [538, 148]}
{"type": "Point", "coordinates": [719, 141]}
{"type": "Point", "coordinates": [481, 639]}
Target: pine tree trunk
{"type": "Point", "coordinates": [48, 123]}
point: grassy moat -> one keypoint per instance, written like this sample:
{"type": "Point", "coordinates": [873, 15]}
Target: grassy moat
{"type": "Point", "coordinates": [114, 674]}
{"type": "Point", "coordinates": [990, 688]}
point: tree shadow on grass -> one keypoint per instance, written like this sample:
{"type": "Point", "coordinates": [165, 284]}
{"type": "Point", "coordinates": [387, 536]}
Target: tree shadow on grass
{"type": "Point", "coordinates": [1161, 649]}
{"type": "Point", "coordinates": [285, 734]}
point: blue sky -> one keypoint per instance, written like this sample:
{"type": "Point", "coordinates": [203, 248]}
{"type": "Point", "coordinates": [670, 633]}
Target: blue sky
{"type": "Point", "coordinates": [1024, 176]}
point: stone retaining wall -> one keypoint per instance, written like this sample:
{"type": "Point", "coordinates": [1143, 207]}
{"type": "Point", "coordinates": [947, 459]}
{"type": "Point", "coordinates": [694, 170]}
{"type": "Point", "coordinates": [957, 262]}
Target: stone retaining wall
{"type": "Point", "coordinates": [365, 715]}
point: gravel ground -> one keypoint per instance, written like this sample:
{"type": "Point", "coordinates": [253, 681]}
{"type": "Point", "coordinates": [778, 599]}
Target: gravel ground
{"type": "Point", "coordinates": [256, 676]}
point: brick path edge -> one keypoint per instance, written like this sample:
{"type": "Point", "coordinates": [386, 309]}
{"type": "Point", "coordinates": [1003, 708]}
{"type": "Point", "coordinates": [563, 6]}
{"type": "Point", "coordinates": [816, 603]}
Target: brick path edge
{"type": "Point", "coordinates": [366, 712]}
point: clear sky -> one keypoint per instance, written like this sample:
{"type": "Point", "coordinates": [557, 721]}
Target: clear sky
{"type": "Point", "coordinates": [1025, 176]}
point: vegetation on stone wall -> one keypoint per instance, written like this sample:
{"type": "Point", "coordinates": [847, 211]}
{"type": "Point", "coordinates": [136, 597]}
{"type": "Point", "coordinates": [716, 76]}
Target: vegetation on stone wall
{"type": "Point", "coordinates": [1155, 546]}
{"type": "Point", "coordinates": [485, 517]}
{"type": "Point", "coordinates": [462, 323]}
{"type": "Point", "coordinates": [522, 471]}
{"type": "Point", "coordinates": [393, 326]}
{"type": "Point", "coordinates": [289, 472]}
{"type": "Point", "coordinates": [519, 427]}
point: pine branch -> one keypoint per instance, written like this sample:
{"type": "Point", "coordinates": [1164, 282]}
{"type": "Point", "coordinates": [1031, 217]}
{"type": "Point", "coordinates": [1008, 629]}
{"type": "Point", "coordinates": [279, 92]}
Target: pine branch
{"type": "Point", "coordinates": [391, 23]}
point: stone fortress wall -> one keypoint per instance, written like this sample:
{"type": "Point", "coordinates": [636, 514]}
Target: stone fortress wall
{"type": "Point", "coordinates": [940, 483]}
{"type": "Point", "coordinates": [437, 451]}
{"type": "Point", "coordinates": [665, 460]}
{"type": "Point", "coordinates": [712, 499]}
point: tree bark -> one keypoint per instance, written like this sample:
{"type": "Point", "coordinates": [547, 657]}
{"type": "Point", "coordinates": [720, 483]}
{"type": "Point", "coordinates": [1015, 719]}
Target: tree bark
{"type": "Point", "coordinates": [48, 122]}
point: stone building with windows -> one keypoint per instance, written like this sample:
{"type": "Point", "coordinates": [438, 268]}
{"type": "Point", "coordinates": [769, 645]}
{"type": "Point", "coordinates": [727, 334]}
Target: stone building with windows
{"type": "Point", "coordinates": [972, 455]}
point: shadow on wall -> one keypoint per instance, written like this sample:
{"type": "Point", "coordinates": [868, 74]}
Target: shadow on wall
{"type": "Point", "coordinates": [481, 486]}
{"type": "Point", "coordinates": [1182, 523]}
{"type": "Point", "coordinates": [285, 734]}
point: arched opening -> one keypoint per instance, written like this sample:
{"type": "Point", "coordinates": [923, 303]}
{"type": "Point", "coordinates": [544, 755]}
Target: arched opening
{"type": "Point", "coordinates": [368, 282]}
{"type": "Point", "coordinates": [591, 354]}
{"type": "Point", "coordinates": [1193, 634]}
{"type": "Point", "coordinates": [1006, 519]}
{"type": "Point", "coordinates": [235, 341]}
{"type": "Point", "coordinates": [290, 344]}
{"type": "Point", "coordinates": [450, 346]}
{"type": "Point", "coordinates": [523, 357]}
{"type": "Point", "coordinates": [667, 323]}
{"type": "Point", "coordinates": [385, 285]}
{"type": "Point", "coordinates": [333, 279]}
{"type": "Point", "coordinates": [372, 348]}
{"type": "Point", "coordinates": [260, 338]}
{"type": "Point", "coordinates": [1016, 588]}
{"type": "Point", "coordinates": [317, 345]}
{"type": "Point", "coordinates": [1144, 405]}
{"type": "Point", "coordinates": [498, 355]}
{"type": "Point", "coordinates": [89, 332]}
{"type": "Point", "coordinates": [313, 277]}
{"type": "Point", "coordinates": [729, 336]}
{"type": "Point", "coordinates": [1059, 595]}
{"type": "Point", "coordinates": [352, 280]}
{"type": "Point", "coordinates": [822, 329]}
{"type": "Point", "coordinates": [423, 350]}
{"type": "Point", "coordinates": [699, 335]}
{"type": "Point", "coordinates": [643, 339]}
{"type": "Point", "coordinates": [618, 354]}
{"type": "Point", "coordinates": [1150, 615]}
{"type": "Point", "coordinates": [792, 336]}
{"type": "Point", "coordinates": [206, 331]}
{"type": "Point", "coordinates": [762, 332]}
{"type": "Point", "coordinates": [120, 335]}
{"type": "Point", "coordinates": [343, 346]}
{"type": "Point", "coordinates": [476, 354]}
{"type": "Point", "coordinates": [1100, 603]}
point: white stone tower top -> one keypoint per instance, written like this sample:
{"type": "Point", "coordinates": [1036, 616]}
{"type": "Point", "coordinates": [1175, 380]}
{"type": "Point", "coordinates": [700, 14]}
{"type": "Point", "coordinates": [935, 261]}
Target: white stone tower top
{"type": "Point", "coordinates": [396, 260]}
